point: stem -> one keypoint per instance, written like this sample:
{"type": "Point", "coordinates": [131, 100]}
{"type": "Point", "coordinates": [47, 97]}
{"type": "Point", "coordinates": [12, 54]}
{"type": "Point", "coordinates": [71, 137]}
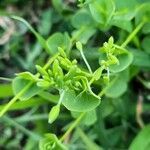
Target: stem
{"type": "Point", "coordinates": [6, 79]}
{"type": "Point", "coordinates": [131, 36]}
{"type": "Point", "coordinates": [62, 92]}
{"type": "Point", "coordinates": [74, 124]}
{"type": "Point", "coordinates": [86, 62]}
{"type": "Point", "coordinates": [14, 99]}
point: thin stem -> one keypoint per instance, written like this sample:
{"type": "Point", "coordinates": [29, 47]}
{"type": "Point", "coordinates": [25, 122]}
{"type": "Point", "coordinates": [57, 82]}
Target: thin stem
{"type": "Point", "coordinates": [74, 124]}
{"type": "Point", "coordinates": [62, 92]}
{"type": "Point", "coordinates": [5, 79]}
{"type": "Point", "coordinates": [132, 35]}
{"type": "Point", "coordinates": [86, 62]}
{"type": "Point", "coordinates": [13, 100]}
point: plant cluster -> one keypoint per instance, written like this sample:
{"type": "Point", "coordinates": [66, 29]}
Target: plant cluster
{"type": "Point", "coordinates": [92, 79]}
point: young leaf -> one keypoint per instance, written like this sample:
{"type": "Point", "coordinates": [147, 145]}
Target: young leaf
{"type": "Point", "coordinates": [43, 84]}
{"type": "Point", "coordinates": [27, 76]}
{"type": "Point", "coordinates": [53, 114]}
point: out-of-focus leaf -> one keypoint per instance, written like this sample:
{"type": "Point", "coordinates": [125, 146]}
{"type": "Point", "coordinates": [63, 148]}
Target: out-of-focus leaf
{"type": "Point", "coordinates": [142, 140]}
{"type": "Point", "coordinates": [141, 58]}
{"type": "Point", "coordinates": [146, 44]}
{"type": "Point", "coordinates": [58, 40]}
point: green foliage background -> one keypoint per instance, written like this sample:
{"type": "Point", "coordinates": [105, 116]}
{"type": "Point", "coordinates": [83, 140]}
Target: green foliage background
{"type": "Point", "coordinates": [121, 120]}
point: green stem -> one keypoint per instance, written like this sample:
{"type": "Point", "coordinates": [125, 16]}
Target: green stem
{"type": "Point", "coordinates": [86, 62]}
{"type": "Point", "coordinates": [74, 124]}
{"type": "Point", "coordinates": [6, 79]}
{"type": "Point", "coordinates": [132, 35]}
{"type": "Point", "coordinates": [14, 99]}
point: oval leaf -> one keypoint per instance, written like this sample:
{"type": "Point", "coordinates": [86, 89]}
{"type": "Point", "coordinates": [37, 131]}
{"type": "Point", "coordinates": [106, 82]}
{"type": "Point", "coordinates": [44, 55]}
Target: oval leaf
{"type": "Point", "coordinates": [125, 60]}
{"type": "Point", "coordinates": [81, 103]}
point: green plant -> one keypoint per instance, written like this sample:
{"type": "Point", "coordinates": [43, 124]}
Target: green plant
{"type": "Point", "coordinates": [77, 76]}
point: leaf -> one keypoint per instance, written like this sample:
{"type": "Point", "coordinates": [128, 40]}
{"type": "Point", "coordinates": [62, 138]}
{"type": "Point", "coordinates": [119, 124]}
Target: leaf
{"type": "Point", "coordinates": [142, 140]}
{"type": "Point", "coordinates": [45, 22]}
{"type": "Point", "coordinates": [146, 44]}
{"type": "Point", "coordinates": [82, 18]}
{"type": "Point", "coordinates": [27, 76]}
{"type": "Point", "coordinates": [43, 84]}
{"type": "Point", "coordinates": [51, 142]}
{"type": "Point", "coordinates": [125, 60]}
{"type": "Point", "coordinates": [79, 102]}
{"type": "Point", "coordinates": [37, 35]}
{"type": "Point", "coordinates": [102, 10]}
{"type": "Point", "coordinates": [58, 40]}
{"type": "Point", "coordinates": [141, 58]}
{"type": "Point", "coordinates": [53, 114]}
{"type": "Point", "coordinates": [146, 28]}
{"type": "Point", "coordinates": [117, 87]}
{"type": "Point", "coordinates": [18, 84]}
{"type": "Point", "coordinates": [83, 34]}
{"type": "Point", "coordinates": [89, 118]}
{"type": "Point", "coordinates": [122, 23]}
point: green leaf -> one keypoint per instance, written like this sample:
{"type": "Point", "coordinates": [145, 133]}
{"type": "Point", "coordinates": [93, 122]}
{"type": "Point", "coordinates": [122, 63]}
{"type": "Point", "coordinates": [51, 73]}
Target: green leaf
{"type": "Point", "coordinates": [51, 142]}
{"type": "Point", "coordinates": [27, 76]}
{"type": "Point", "coordinates": [125, 60]}
{"type": "Point", "coordinates": [83, 34]}
{"type": "Point", "coordinates": [141, 58]}
{"type": "Point", "coordinates": [43, 84]}
{"type": "Point", "coordinates": [122, 23]}
{"type": "Point", "coordinates": [142, 140]}
{"type": "Point", "coordinates": [97, 74]}
{"type": "Point", "coordinates": [82, 18]}
{"type": "Point", "coordinates": [102, 10]}
{"type": "Point", "coordinates": [53, 114]}
{"type": "Point", "coordinates": [79, 102]}
{"type": "Point", "coordinates": [58, 40]}
{"type": "Point", "coordinates": [146, 44]}
{"type": "Point", "coordinates": [89, 118]}
{"type": "Point", "coordinates": [18, 84]}
{"type": "Point", "coordinates": [146, 28]}
{"type": "Point", "coordinates": [117, 87]}
{"type": "Point", "coordinates": [45, 22]}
